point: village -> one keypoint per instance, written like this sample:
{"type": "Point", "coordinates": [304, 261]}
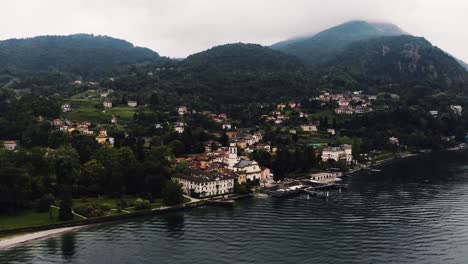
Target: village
{"type": "Point", "coordinates": [221, 168]}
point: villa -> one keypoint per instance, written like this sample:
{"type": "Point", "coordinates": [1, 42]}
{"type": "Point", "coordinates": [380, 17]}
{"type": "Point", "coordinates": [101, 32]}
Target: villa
{"type": "Point", "coordinates": [341, 153]}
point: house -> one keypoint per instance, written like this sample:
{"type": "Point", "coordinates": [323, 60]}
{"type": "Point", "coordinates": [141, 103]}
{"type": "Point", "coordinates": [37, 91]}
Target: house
{"type": "Point", "coordinates": [344, 102]}
{"type": "Point", "coordinates": [179, 127]}
{"type": "Point", "coordinates": [58, 122]}
{"type": "Point", "coordinates": [302, 115]}
{"type": "Point", "coordinates": [66, 108]}
{"type": "Point", "coordinates": [114, 120]}
{"type": "Point", "coordinates": [132, 103]}
{"type": "Point", "coordinates": [372, 97]}
{"type": "Point", "coordinates": [182, 110]}
{"type": "Point", "coordinates": [434, 113]}
{"type": "Point", "coordinates": [331, 131]}
{"type": "Point", "coordinates": [293, 104]}
{"type": "Point", "coordinates": [227, 126]}
{"type": "Point", "coordinates": [325, 177]}
{"type": "Point", "coordinates": [393, 141]}
{"type": "Point", "coordinates": [362, 109]}
{"type": "Point", "coordinates": [250, 168]}
{"type": "Point", "coordinates": [341, 153]}
{"type": "Point", "coordinates": [107, 104]}
{"type": "Point", "coordinates": [10, 144]}
{"type": "Point", "coordinates": [281, 106]}
{"type": "Point", "coordinates": [309, 128]}
{"type": "Point", "coordinates": [344, 110]}
{"type": "Point", "coordinates": [206, 184]}
{"type": "Point", "coordinates": [103, 139]}
{"type": "Point", "coordinates": [457, 109]}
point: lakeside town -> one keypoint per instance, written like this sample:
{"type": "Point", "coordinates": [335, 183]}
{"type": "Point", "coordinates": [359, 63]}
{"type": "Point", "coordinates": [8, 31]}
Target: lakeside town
{"type": "Point", "coordinates": [231, 161]}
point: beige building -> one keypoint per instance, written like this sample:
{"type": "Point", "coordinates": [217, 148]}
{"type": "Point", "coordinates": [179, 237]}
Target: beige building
{"type": "Point", "coordinates": [341, 153]}
{"type": "Point", "coordinates": [325, 177]}
{"type": "Point", "coordinates": [206, 184]}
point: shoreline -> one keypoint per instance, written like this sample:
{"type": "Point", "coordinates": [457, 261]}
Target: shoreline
{"type": "Point", "coordinates": [404, 156]}
{"type": "Point", "coordinates": [14, 237]}
{"type": "Point", "coordinates": [16, 240]}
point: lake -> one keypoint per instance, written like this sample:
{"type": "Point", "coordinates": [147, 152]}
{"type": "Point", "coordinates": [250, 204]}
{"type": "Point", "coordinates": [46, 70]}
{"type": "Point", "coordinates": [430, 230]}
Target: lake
{"type": "Point", "coordinates": [414, 211]}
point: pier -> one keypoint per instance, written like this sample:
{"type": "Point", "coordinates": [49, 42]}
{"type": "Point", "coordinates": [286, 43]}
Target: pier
{"type": "Point", "coordinates": [316, 190]}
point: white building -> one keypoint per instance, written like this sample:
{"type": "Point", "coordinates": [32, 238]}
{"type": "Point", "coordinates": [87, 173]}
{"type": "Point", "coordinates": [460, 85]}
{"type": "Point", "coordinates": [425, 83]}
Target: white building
{"type": "Point", "coordinates": [107, 104]}
{"type": "Point", "coordinates": [309, 128]}
{"type": "Point", "coordinates": [182, 110]}
{"type": "Point", "coordinates": [457, 109]}
{"type": "Point", "coordinates": [325, 177]}
{"type": "Point", "coordinates": [179, 127]}
{"type": "Point", "coordinates": [206, 185]}
{"type": "Point", "coordinates": [394, 141]}
{"type": "Point", "coordinates": [227, 126]}
{"type": "Point", "coordinates": [434, 113]}
{"type": "Point", "coordinates": [10, 144]}
{"type": "Point", "coordinates": [132, 103]}
{"type": "Point", "coordinates": [66, 108]}
{"type": "Point", "coordinates": [331, 131]}
{"type": "Point", "coordinates": [341, 153]}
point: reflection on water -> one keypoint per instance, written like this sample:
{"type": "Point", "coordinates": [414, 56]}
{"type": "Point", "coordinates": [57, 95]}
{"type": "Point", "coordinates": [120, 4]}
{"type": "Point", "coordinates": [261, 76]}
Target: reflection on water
{"type": "Point", "coordinates": [68, 245]}
{"type": "Point", "coordinates": [414, 211]}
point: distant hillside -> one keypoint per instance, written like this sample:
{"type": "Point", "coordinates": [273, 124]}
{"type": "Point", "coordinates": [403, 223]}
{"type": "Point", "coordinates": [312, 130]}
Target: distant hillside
{"type": "Point", "coordinates": [323, 46]}
{"type": "Point", "coordinates": [240, 72]}
{"type": "Point", "coordinates": [81, 54]}
{"type": "Point", "coordinates": [242, 57]}
{"type": "Point", "coordinates": [463, 64]}
{"type": "Point", "coordinates": [402, 64]}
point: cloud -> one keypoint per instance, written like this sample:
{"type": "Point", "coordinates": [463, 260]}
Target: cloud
{"type": "Point", "coordinates": [178, 28]}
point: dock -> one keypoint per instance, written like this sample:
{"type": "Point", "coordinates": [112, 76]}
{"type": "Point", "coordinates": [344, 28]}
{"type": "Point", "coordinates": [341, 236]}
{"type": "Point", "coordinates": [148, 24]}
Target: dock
{"type": "Point", "coordinates": [314, 190]}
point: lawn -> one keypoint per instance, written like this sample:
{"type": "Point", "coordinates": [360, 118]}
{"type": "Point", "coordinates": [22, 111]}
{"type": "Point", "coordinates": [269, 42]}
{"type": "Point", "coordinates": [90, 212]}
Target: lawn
{"type": "Point", "coordinates": [113, 203]}
{"type": "Point", "coordinates": [97, 115]}
{"type": "Point", "coordinates": [27, 218]}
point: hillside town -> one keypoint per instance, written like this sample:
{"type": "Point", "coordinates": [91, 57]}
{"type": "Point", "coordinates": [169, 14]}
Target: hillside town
{"type": "Point", "coordinates": [228, 158]}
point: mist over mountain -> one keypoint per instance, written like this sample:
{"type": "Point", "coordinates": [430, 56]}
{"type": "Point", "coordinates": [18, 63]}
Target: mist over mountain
{"type": "Point", "coordinates": [324, 45]}
{"type": "Point", "coordinates": [400, 64]}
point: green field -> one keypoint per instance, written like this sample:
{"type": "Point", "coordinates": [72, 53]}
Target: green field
{"type": "Point", "coordinates": [27, 218]}
{"type": "Point", "coordinates": [91, 110]}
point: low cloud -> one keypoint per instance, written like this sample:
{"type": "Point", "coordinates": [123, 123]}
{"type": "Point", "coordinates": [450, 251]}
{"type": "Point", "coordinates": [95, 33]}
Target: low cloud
{"type": "Point", "coordinates": [178, 28]}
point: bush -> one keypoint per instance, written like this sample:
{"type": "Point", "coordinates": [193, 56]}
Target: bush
{"type": "Point", "coordinates": [89, 210]}
{"type": "Point", "coordinates": [43, 204]}
{"type": "Point", "coordinates": [141, 204]}
{"type": "Point", "coordinates": [105, 207]}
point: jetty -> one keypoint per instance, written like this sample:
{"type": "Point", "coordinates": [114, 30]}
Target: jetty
{"type": "Point", "coordinates": [307, 187]}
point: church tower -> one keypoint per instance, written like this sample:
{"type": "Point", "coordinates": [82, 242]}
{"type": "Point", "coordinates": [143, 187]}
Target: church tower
{"type": "Point", "coordinates": [232, 158]}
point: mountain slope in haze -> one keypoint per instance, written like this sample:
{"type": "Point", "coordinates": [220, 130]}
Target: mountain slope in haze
{"type": "Point", "coordinates": [240, 72]}
{"type": "Point", "coordinates": [240, 57]}
{"type": "Point", "coordinates": [463, 64]}
{"type": "Point", "coordinates": [80, 54]}
{"type": "Point", "coordinates": [403, 64]}
{"type": "Point", "coordinates": [323, 46]}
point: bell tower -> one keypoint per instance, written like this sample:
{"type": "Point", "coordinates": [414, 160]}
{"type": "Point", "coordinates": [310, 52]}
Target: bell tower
{"type": "Point", "coordinates": [232, 158]}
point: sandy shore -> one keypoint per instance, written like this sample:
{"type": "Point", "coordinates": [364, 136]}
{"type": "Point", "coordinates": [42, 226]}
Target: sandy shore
{"type": "Point", "coordinates": [18, 239]}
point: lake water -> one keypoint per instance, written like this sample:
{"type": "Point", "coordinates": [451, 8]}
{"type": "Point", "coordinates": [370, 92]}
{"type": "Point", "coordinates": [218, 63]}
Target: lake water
{"type": "Point", "coordinates": [415, 211]}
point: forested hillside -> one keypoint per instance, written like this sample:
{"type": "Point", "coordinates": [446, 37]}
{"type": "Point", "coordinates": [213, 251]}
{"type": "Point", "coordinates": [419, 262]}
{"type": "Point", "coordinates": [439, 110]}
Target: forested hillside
{"type": "Point", "coordinates": [81, 55]}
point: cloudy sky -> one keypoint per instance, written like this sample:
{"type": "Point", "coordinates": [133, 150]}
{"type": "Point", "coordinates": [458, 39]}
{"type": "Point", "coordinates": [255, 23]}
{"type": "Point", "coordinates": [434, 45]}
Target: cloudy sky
{"type": "Point", "coordinates": [177, 28]}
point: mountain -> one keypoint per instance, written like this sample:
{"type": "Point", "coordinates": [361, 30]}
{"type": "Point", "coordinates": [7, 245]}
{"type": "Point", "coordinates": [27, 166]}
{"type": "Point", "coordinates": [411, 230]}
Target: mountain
{"type": "Point", "coordinates": [81, 54]}
{"type": "Point", "coordinates": [323, 46]}
{"type": "Point", "coordinates": [402, 64]}
{"type": "Point", "coordinates": [239, 73]}
{"type": "Point", "coordinates": [462, 63]}
{"type": "Point", "coordinates": [240, 57]}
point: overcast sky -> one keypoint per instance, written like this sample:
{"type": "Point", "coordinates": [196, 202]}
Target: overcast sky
{"type": "Point", "coordinates": [177, 28]}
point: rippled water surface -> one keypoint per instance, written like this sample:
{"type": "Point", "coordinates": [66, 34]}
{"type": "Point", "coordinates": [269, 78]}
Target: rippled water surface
{"type": "Point", "coordinates": [415, 211]}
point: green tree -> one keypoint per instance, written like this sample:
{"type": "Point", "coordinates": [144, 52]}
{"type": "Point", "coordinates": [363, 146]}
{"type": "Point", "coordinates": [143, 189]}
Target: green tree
{"type": "Point", "coordinates": [172, 193]}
